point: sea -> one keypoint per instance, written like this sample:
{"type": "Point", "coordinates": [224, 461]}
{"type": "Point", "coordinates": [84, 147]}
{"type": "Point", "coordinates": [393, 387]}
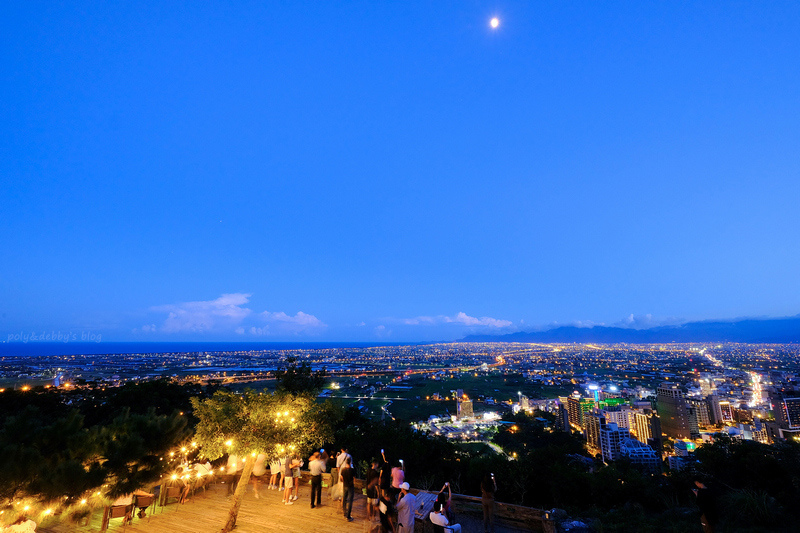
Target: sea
{"type": "Point", "coordinates": [43, 349]}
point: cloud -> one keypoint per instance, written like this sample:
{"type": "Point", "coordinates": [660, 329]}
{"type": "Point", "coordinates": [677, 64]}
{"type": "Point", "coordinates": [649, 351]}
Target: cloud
{"type": "Point", "coordinates": [465, 319]}
{"type": "Point", "coordinates": [228, 314]}
{"type": "Point", "coordinates": [195, 317]}
{"type": "Point", "coordinates": [381, 332]}
{"type": "Point", "coordinates": [281, 323]}
{"type": "Point", "coordinates": [461, 318]}
{"type": "Point", "coordinates": [647, 321]}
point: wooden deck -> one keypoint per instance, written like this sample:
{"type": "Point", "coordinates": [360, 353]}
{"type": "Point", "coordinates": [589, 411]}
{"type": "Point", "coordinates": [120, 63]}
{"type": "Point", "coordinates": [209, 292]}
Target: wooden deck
{"type": "Point", "coordinates": [206, 513]}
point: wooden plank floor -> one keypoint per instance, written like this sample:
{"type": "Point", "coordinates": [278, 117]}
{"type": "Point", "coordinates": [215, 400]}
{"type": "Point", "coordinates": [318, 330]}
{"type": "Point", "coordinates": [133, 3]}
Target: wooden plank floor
{"type": "Point", "coordinates": [206, 513]}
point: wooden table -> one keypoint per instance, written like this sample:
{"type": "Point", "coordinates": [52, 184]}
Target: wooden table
{"type": "Point", "coordinates": [425, 501]}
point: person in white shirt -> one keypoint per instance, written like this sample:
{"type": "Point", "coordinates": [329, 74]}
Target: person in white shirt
{"type": "Point", "coordinates": [317, 466]}
{"type": "Point", "coordinates": [438, 518]}
{"type": "Point", "coordinates": [342, 457]}
{"type": "Point", "coordinates": [21, 525]}
{"type": "Point", "coordinates": [406, 509]}
{"type": "Point", "coordinates": [275, 472]}
{"type": "Point", "coordinates": [259, 469]}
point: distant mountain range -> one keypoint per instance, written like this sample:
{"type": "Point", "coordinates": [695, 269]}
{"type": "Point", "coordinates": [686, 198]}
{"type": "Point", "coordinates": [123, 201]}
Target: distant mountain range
{"type": "Point", "coordinates": [751, 330]}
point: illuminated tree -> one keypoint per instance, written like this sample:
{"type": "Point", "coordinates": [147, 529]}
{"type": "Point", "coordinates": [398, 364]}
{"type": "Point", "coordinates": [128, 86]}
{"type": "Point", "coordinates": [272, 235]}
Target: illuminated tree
{"type": "Point", "coordinates": [247, 424]}
{"type": "Point", "coordinates": [61, 466]}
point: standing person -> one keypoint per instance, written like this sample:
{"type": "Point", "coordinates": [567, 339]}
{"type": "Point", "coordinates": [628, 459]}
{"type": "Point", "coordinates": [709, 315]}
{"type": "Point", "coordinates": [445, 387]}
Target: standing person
{"type": "Point", "coordinates": [385, 511]}
{"type": "Point", "coordinates": [259, 470]}
{"type": "Point", "coordinates": [296, 477]}
{"type": "Point", "coordinates": [488, 488]}
{"type": "Point", "coordinates": [373, 478]}
{"type": "Point", "coordinates": [281, 470]}
{"type": "Point", "coordinates": [341, 457]}
{"type": "Point", "coordinates": [317, 466]}
{"type": "Point", "coordinates": [406, 509]}
{"type": "Point", "coordinates": [233, 469]}
{"type": "Point", "coordinates": [275, 472]}
{"type": "Point", "coordinates": [287, 480]}
{"type": "Point", "coordinates": [398, 477]}
{"type": "Point", "coordinates": [707, 503]}
{"type": "Point", "coordinates": [385, 476]}
{"type": "Point", "coordinates": [346, 474]}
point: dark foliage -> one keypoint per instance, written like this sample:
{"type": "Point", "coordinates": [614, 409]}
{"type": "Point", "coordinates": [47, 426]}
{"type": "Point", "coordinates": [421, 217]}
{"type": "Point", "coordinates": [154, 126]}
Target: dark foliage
{"type": "Point", "coordinates": [297, 377]}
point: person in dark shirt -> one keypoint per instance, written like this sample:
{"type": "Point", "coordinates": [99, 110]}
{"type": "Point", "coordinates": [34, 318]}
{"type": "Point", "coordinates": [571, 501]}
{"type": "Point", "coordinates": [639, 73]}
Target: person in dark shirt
{"type": "Point", "coordinates": [707, 502]}
{"type": "Point", "coordinates": [346, 474]}
{"type": "Point", "coordinates": [488, 488]}
{"type": "Point", "coordinates": [373, 479]}
{"type": "Point", "coordinates": [386, 476]}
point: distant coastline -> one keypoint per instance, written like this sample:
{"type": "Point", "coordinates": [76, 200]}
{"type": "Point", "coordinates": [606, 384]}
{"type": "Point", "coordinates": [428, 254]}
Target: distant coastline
{"type": "Point", "coordinates": [749, 330]}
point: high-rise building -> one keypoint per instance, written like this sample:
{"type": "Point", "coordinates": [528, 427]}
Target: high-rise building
{"type": "Point", "coordinates": [641, 455]}
{"type": "Point", "coordinates": [787, 412]}
{"type": "Point", "coordinates": [673, 411]}
{"type": "Point", "coordinates": [642, 426]}
{"type": "Point", "coordinates": [610, 438]}
{"type": "Point", "coordinates": [701, 411]}
{"type": "Point", "coordinates": [465, 408]}
{"type": "Point", "coordinates": [726, 412]}
{"type": "Point", "coordinates": [592, 432]}
{"type": "Point", "coordinates": [577, 408]}
{"type": "Point", "coordinates": [619, 415]}
{"type": "Point", "coordinates": [524, 402]}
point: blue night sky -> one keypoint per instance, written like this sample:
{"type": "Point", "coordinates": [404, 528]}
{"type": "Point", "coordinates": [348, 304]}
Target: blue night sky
{"type": "Point", "coordinates": [392, 171]}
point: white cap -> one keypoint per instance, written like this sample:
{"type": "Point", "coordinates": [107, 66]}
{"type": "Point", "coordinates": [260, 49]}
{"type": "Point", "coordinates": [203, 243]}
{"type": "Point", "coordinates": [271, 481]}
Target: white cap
{"type": "Point", "coordinates": [405, 486]}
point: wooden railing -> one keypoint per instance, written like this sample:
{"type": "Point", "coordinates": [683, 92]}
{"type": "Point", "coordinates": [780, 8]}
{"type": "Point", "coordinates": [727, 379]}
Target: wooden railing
{"type": "Point", "coordinates": [506, 514]}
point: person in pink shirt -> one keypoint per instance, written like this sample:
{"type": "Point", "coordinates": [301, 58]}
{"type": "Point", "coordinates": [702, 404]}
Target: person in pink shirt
{"type": "Point", "coordinates": [398, 476]}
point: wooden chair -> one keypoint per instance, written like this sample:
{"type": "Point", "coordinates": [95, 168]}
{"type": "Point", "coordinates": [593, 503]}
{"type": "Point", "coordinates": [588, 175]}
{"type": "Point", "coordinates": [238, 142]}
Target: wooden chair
{"type": "Point", "coordinates": [173, 491]}
{"type": "Point", "coordinates": [143, 503]}
{"type": "Point", "coordinates": [117, 511]}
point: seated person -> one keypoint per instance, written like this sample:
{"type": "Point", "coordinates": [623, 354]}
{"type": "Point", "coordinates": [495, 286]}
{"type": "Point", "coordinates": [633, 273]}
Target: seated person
{"type": "Point", "coordinates": [203, 469]}
{"type": "Point", "coordinates": [21, 525]}
{"type": "Point", "coordinates": [438, 518]}
{"type": "Point", "coordinates": [446, 501]}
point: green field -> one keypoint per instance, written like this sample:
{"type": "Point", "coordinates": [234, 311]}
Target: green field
{"type": "Point", "coordinates": [416, 403]}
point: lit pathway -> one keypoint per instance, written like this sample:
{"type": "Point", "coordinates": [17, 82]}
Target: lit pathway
{"type": "Point", "coordinates": [206, 513]}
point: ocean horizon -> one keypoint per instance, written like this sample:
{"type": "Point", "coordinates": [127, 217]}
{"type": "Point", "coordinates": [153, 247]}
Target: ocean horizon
{"type": "Point", "coordinates": [45, 349]}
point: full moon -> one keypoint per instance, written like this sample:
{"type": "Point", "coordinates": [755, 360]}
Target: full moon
{"type": "Point", "coordinates": [495, 22]}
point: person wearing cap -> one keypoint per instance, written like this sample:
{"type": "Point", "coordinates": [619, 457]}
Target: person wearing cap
{"type": "Point", "coordinates": [406, 508]}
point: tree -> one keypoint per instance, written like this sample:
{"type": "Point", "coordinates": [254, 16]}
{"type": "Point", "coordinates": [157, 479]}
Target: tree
{"type": "Point", "coordinates": [247, 424]}
{"type": "Point", "coordinates": [298, 378]}
{"type": "Point", "coordinates": [57, 463]}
